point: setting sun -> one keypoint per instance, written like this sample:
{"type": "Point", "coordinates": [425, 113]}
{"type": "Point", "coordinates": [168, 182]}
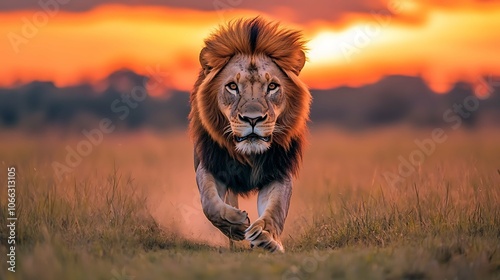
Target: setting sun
{"type": "Point", "coordinates": [323, 48]}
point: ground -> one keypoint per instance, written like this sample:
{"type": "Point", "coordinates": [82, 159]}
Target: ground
{"type": "Point", "coordinates": [367, 205]}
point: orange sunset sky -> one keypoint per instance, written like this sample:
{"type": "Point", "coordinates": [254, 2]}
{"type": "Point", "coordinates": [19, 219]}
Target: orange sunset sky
{"type": "Point", "coordinates": [350, 43]}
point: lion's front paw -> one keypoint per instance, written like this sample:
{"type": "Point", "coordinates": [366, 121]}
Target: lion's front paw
{"type": "Point", "coordinates": [261, 235]}
{"type": "Point", "coordinates": [231, 221]}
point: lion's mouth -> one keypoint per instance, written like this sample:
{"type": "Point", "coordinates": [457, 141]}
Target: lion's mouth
{"type": "Point", "coordinates": [252, 137]}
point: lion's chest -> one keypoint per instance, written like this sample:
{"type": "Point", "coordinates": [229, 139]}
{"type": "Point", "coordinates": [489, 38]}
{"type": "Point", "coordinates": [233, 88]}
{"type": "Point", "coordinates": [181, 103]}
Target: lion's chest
{"type": "Point", "coordinates": [239, 177]}
{"type": "Point", "coordinates": [276, 164]}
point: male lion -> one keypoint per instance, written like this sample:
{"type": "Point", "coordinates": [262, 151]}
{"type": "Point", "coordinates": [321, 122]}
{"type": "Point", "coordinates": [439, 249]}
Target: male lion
{"type": "Point", "coordinates": [249, 112]}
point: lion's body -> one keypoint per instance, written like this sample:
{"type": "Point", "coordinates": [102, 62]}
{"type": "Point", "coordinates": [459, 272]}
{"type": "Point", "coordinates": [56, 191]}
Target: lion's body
{"type": "Point", "coordinates": [248, 123]}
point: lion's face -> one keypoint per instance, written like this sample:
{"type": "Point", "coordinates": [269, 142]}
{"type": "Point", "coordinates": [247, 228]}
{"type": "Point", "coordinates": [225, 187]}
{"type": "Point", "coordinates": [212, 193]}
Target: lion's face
{"type": "Point", "coordinates": [248, 97]}
{"type": "Point", "coordinates": [251, 97]}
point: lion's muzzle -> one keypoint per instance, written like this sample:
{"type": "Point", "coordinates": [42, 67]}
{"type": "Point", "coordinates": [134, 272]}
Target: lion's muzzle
{"type": "Point", "coordinates": [252, 119]}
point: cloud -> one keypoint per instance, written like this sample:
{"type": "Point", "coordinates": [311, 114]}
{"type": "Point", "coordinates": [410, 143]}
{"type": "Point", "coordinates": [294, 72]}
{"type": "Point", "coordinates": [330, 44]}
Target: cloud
{"type": "Point", "coordinates": [341, 13]}
{"type": "Point", "coordinates": [294, 10]}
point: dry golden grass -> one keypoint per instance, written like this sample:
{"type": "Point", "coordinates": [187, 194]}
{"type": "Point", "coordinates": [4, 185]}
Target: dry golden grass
{"type": "Point", "coordinates": [130, 210]}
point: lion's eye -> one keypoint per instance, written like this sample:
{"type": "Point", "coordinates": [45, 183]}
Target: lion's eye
{"type": "Point", "coordinates": [232, 87]}
{"type": "Point", "coordinates": [272, 86]}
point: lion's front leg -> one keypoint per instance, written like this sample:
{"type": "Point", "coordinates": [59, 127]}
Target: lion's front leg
{"type": "Point", "coordinates": [228, 219]}
{"type": "Point", "coordinates": [273, 202]}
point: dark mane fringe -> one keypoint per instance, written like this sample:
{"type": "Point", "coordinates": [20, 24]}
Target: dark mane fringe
{"type": "Point", "coordinates": [244, 173]}
{"type": "Point", "coordinates": [275, 165]}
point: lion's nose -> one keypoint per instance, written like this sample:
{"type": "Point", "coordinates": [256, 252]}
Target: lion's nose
{"type": "Point", "coordinates": [252, 120]}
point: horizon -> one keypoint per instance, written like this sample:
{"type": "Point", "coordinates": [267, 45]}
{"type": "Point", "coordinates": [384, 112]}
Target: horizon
{"type": "Point", "coordinates": [483, 87]}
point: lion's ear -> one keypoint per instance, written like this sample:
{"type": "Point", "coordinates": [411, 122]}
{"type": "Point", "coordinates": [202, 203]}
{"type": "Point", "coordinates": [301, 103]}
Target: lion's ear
{"type": "Point", "coordinates": [210, 61]}
{"type": "Point", "coordinates": [293, 62]}
{"type": "Point", "coordinates": [301, 61]}
{"type": "Point", "coordinates": [204, 61]}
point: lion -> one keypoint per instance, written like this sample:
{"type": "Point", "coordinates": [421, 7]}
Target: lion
{"type": "Point", "coordinates": [248, 123]}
